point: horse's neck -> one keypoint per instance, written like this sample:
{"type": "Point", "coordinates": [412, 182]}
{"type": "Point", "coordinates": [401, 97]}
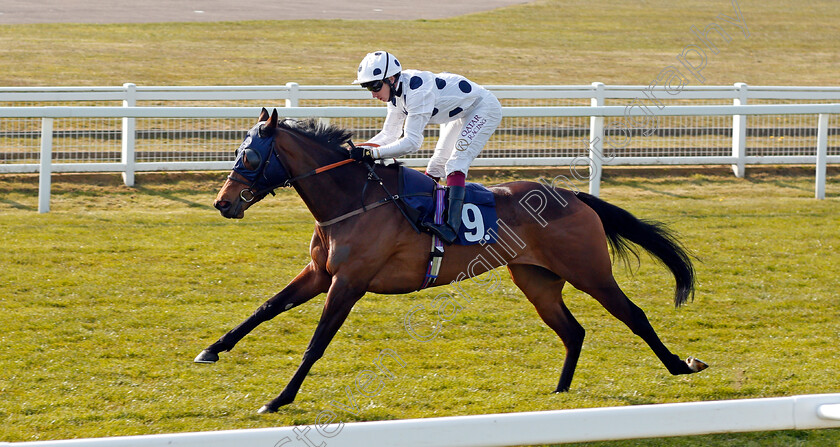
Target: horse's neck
{"type": "Point", "coordinates": [329, 193]}
{"type": "Point", "coordinates": [343, 190]}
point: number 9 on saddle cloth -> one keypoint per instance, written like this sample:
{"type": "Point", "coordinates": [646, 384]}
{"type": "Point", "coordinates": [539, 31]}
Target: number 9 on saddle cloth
{"type": "Point", "coordinates": [479, 221]}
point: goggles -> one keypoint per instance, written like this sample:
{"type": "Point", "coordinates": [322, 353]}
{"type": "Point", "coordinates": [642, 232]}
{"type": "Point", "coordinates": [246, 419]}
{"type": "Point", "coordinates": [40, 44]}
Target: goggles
{"type": "Point", "coordinates": [373, 86]}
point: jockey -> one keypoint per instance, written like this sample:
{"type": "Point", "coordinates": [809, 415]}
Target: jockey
{"type": "Point", "coordinates": [468, 112]}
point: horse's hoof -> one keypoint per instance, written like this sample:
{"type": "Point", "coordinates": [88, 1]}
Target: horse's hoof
{"type": "Point", "coordinates": [695, 364]}
{"type": "Point", "coordinates": [266, 410]}
{"type": "Point", "coordinates": [206, 357]}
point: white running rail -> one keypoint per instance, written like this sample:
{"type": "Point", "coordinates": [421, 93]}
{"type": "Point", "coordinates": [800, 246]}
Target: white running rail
{"type": "Point", "coordinates": [595, 161]}
{"type": "Point", "coordinates": [805, 412]}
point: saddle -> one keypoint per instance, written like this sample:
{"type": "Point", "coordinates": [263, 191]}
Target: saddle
{"type": "Point", "coordinates": [425, 200]}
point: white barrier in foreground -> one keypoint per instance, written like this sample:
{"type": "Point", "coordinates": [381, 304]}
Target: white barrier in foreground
{"type": "Point", "coordinates": [545, 427]}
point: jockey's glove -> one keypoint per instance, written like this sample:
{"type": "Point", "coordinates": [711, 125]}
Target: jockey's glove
{"type": "Point", "coordinates": [361, 153]}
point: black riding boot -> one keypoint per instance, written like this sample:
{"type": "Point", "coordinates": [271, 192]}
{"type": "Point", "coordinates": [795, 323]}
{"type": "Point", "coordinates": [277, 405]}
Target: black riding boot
{"type": "Point", "coordinates": [448, 231]}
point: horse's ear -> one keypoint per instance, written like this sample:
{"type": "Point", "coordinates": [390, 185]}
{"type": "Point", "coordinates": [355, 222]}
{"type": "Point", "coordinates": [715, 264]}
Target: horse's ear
{"type": "Point", "coordinates": [263, 115]}
{"type": "Point", "coordinates": [272, 122]}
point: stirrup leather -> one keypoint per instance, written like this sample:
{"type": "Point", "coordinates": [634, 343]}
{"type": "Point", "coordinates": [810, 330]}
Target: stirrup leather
{"type": "Point", "coordinates": [448, 231]}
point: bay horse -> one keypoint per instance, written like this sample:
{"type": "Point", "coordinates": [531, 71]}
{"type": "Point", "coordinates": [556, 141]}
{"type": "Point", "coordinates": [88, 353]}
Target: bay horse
{"type": "Point", "coordinates": [567, 242]}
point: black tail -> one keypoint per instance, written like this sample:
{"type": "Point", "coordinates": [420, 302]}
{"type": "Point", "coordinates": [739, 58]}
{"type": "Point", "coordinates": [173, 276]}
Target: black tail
{"type": "Point", "coordinates": [621, 227]}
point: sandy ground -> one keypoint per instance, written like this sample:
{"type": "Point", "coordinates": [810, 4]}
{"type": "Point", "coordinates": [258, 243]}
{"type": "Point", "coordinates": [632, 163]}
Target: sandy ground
{"type": "Point", "coordinates": [149, 11]}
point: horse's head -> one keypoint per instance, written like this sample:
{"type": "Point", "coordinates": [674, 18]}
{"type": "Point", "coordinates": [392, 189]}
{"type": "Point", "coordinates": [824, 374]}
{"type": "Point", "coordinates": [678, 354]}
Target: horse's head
{"type": "Point", "coordinates": [256, 172]}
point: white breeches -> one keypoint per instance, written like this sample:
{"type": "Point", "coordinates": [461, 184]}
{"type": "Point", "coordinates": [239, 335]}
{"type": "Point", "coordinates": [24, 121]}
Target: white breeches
{"type": "Point", "coordinates": [462, 139]}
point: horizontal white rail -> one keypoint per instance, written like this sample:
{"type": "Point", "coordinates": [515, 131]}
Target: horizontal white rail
{"type": "Point", "coordinates": [806, 412]}
{"type": "Point", "coordinates": [293, 92]}
{"type": "Point", "coordinates": [184, 112]}
{"type": "Point", "coordinates": [31, 168]}
{"type": "Point", "coordinates": [597, 157]}
{"type": "Point", "coordinates": [361, 112]}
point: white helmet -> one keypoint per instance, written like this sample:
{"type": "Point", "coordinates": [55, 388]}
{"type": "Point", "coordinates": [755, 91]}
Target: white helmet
{"type": "Point", "coordinates": [377, 66]}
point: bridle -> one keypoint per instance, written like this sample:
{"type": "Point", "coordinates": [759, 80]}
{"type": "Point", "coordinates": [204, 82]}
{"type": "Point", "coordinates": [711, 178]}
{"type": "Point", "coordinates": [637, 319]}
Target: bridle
{"type": "Point", "coordinates": [248, 194]}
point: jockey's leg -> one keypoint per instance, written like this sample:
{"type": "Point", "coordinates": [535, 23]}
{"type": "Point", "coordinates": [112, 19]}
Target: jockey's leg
{"type": "Point", "coordinates": [467, 138]}
{"type": "Point", "coordinates": [437, 169]}
{"type": "Point", "coordinates": [478, 126]}
{"type": "Point", "coordinates": [443, 150]}
{"type": "Point", "coordinates": [457, 189]}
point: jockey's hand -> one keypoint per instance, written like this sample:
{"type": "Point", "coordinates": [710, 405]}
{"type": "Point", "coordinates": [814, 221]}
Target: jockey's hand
{"type": "Point", "coordinates": [361, 153]}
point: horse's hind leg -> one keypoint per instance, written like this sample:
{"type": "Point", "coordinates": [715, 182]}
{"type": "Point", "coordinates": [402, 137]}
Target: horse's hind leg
{"type": "Point", "coordinates": [309, 283]}
{"type": "Point", "coordinates": [616, 302]}
{"type": "Point", "coordinates": [544, 290]}
{"type": "Point", "coordinates": [585, 264]}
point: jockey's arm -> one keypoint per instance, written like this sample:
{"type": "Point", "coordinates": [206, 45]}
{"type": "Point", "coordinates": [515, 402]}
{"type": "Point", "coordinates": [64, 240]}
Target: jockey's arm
{"type": "Point", "coordinates": [391, 130]}
{"type": "Point", "coordinates": [411, 140]}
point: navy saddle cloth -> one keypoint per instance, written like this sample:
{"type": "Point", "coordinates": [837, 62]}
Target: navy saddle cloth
{"type": "Point", "coordinates": [478, 215]}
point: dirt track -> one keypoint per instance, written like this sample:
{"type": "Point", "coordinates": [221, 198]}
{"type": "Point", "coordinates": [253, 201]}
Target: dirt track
{"type": "Point", "coordinates": [149, 11]}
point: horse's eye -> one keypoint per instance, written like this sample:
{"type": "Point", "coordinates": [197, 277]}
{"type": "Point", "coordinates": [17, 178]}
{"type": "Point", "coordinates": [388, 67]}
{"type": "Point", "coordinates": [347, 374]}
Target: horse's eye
{"type": "Point", "coordinates": [251, 159]}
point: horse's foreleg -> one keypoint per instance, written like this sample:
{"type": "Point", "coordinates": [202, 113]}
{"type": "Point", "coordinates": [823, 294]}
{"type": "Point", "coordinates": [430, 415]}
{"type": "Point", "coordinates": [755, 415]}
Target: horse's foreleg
{"type": "Point", "coordinates": [544, 290]}
{"type": "Point", "coordinates": [309, 283]}
{"type": "Point", "coordinates": [340, 300]}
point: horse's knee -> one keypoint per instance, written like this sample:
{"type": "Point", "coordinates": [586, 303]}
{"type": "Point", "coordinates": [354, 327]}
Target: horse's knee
{"type": "Point", "coordinates": [572, 334]}
{"type": "Point", "coordinates": [578, 334]}
{"type": "Point", "coordinates": [273, 307]}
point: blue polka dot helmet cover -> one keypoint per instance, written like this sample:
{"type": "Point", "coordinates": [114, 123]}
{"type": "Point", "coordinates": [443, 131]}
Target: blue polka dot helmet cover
{"type": "Point", "coordinates": [377, 66]}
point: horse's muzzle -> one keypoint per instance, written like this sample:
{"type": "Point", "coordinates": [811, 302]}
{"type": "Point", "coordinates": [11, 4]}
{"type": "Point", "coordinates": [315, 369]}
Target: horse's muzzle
{"type": "Point", "coordinates": [228, 209]}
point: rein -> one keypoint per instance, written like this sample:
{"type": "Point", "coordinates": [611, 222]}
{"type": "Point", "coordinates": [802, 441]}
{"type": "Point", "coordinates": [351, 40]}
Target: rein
{"type": "Point", "coordinates": [319, 170]}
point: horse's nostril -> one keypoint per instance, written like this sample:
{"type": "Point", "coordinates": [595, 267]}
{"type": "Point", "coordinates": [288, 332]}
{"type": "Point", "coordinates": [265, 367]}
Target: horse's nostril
{"type": "Point", "coordinates": [222, 205]}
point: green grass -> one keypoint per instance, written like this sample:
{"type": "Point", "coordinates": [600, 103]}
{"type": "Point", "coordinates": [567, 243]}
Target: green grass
{"type": "Point", "coordinates": [107, 299]}
{"type": "Point", "coordinates": [544, 42]}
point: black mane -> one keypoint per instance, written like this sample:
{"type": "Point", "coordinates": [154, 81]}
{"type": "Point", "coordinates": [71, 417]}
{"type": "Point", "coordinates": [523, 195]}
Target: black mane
{"type": "Point", "coordinates": [331, 136]}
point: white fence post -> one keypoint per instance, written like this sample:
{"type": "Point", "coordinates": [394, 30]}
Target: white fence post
{"type": "Point", "coordinates": [294, 94]}
{"type": "Point", "coordinates": [45, 172]}
{"type": "Point", "coordinates": [596, 141]}
{"type": "Point", "coordinates": [129, 135]}
{"type": "Point", "coordinates": [739, 132]}
{"type": "Point", "coordinates": [822, 155]}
